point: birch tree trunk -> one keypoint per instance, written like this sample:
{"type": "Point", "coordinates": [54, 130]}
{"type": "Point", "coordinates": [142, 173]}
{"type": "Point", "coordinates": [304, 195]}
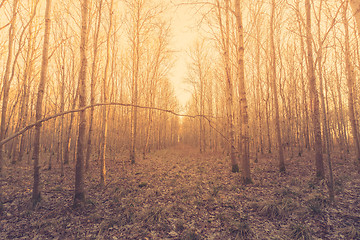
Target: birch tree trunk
{"type": "Point", "coordinates": [39, 104]}
{"type": "Point", "coordinates": [245, 139]}
{"type": "Point", "coordinates": [225, 41]}
{"type": "Point", "coordinates": [92, 85]}
{"type": "Point", "coordinates": [274, 88]}
{"type": "Point", "coordinates": [326, 131]}
{"type": "Point", "coordinates": [135, 78]}
{"type": "Point", "coordinates": [29, 63]}
{"type": "Point", "coordinates": [350, 83]}
{"type": "Point", "coordinates": [305, 111]}
{"type": "Point", "coordinates": [6, 83]}
{"type": "Point", "coordinates": [62, 108]}
{"type": "Point", "coordinates": [79, 198]}
{"type": "Point", "coordinates": [105, 99]}
{"type": "Point", "coordinates": [320, 173]}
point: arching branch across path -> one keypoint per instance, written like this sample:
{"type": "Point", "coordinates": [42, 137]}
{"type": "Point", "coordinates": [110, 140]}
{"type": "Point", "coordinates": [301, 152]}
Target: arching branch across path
{"type": "Point", "coordinates": [28, 127]}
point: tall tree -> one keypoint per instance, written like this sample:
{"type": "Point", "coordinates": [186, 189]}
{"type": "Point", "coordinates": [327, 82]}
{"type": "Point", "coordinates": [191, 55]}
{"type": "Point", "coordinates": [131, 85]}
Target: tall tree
{"type": "Point", "coordinates": [225, 46]}
{"type": "Point", "coordinates": [326, 133]}
{"type": "Point", "coordinates": [105, 99]}
{"type": "Point", "coordinates": [319, 163]}
{"type": "Point", "coordinates": [350, 84]}
{"type": "Point", "coordinates": [6, 79]}
{"type": "Point", "coordinates": [93, 83]}
{"type": "Point", "coordinates": [274, 87]}
{"type": "Point", "coordinates": [28, 72]}
{"type": "Point", "coordinates": [39, 104]}
{"type": "Point", "coordinates": [305, 110]}
{"type": "Point", "coordinates": [200, 67]}
{"type": "Point", "coordinates": [245, 138]}
{"type": "Point", "coordinates": [79, 198]}
{"type": "Point", "coordinates": [135, 42]}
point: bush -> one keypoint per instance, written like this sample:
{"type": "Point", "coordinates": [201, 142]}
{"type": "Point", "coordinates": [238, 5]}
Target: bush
{"type": "Point", "coordinates": [190, 234]}
{"type": "Point", "coordinates": [300, 231]}
{"type": "Point", "coordinates": [241, 229]}
{"type": "Point", "coordinates": [272, 210]}
{"type": "Point", "coordinates": [288, 205]}
{"type": "Point", "coordinates": [126, 215]}
{"type": "Point", "coordinates": [316, 205]}
{"type": "Point", "coordinates": [352, 232]}
{"type": "Point", "coordinates": [215, 190]}
{"type": "Point", "coordinates": [180, 225]}
{"type": "Point", "coordinates": [143, 184]}
{"type": "Point", "coordinates": [287, 192]}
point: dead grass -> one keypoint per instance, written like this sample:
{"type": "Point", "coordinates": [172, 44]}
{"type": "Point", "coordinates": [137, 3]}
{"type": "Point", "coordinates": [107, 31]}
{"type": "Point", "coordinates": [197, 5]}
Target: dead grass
{"type": "Point", "coordinates": [352, 232]}
{"type": "Point", "coordinates": [300, 231]}
{"type": "Point", "coordinates": [181, 194]}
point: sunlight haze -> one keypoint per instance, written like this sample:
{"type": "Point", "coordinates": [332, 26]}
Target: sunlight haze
{"type": "Point", "coordinates": [184, 33]}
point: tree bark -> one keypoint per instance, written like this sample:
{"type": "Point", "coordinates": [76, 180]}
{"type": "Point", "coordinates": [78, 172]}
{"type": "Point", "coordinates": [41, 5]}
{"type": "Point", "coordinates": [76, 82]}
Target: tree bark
{"type": "Point", "coordinates": [79, 198]}
{"type": "Point", "coordinates": [105, 99]}
{"type": "Point", "coordinates": [39, 103]}
{"type": "Point", "coordinates": [350, 84]}
{"type": "Point", "coordinates": [320, 173]}
{"type": "Point", "coordinates": [6, 83]}
{"type": "Point", "coordinates": [135, 78]}
{"type": "Point", "coordinates": [225, 41]}
{"type": "Point", "coordinates": [245, 139]}
{"type": "Point", "coordinates": [92, 86]}
{"type": "Point", "coordinates": [274, 88]}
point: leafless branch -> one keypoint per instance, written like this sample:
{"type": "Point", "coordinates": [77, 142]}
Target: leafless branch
{"type": "Point", "coordinates": [28, 127]}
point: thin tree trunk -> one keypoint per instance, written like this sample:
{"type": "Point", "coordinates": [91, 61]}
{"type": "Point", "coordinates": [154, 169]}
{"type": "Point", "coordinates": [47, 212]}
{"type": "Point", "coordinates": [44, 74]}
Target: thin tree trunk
{"type": "Point", "coordinates": [62, 108]}
{"type": "Point", "coordinates": [92, 86]}
{"type": "Point", "coordinates": [152, 97]}
{"type": "Point", "coordinates": [320, 173]}
{"type": "Point", "coordinates": [135, 79]}
{"type": "Point", "coordinates": [350, 84]}
{"type": "Point", "coordinates": [6, 82]}
{"type": "Point", "coordinates": [245, 139]}
{"type": "Point", "coordinates": [79, 198]}
{"type": "Point", "coordinates": [305, 117]}
{"type": "Point", "coordinates": [105, 99]}
{"type": "Point", "coordinates": [325, 123]}
{"type": "Point", "coordinates": [274, 88]}
{"type": "Point", "coordinates": [341, 120]}
{"type": "Point", "coordinates": [39, 104]}
{"type": "Point", "coordinates": [229, 85]}
{"type": "Point", "coordinates": [258, 90]}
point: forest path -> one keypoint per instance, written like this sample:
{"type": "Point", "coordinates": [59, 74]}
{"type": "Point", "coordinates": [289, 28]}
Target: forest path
{"type": "Point", "coordinates": [178, 193]}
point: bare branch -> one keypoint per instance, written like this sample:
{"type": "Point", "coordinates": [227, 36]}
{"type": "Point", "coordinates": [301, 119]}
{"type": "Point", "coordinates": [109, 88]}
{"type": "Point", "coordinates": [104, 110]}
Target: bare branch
{"type": "Point", "coordinates": [28, 127]}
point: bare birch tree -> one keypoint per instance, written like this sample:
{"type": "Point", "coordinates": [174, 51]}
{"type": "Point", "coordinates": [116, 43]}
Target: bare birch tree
{"type": "Point", "coordinates": [79, 198]}
{"type": "Point", "coordinates": [274, 88]}
{"type": "Point", "coordinates": [314, 96]}
{"type": "Point", "coordinates": [245, 138]}
{"type": "Point", "coordinates": [93, 83]}
{"type": "Point", "coordinates": [39, 104]}
{"type": "Point", "coordinates": [105, 99]}
{"type": "Point", "coordinates": [350, 84]}
{"type": "Point", "coordinates": [6, 83]}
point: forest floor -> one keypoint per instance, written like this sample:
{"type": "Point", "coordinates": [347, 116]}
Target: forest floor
{"type": "Point", "coordinates": [179, 193]}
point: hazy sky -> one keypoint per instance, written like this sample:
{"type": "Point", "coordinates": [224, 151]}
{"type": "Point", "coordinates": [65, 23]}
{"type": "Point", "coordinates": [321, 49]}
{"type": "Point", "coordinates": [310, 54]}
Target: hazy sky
{"type": "Point", "coordinates": [184, 31]}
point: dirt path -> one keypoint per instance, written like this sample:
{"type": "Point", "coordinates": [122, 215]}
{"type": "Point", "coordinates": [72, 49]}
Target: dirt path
{"type": "Point", "coordinates": [179, 193]}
